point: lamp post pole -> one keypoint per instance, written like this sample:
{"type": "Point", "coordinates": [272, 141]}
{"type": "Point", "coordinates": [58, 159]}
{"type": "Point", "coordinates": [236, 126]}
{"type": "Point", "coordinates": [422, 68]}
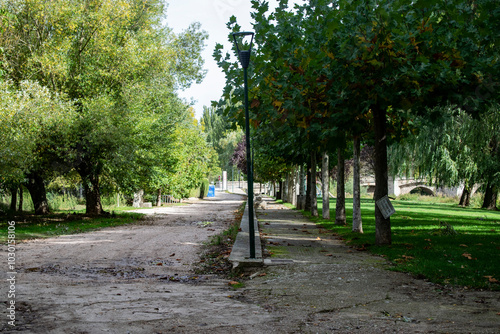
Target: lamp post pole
{"type": "Point", "coordinates": [244, 56]}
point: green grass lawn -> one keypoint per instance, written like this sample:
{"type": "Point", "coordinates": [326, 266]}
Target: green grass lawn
{"type": "Point", "coordinates": [423, 246]}
{"type": "Point", "coordinates": [32, 227]}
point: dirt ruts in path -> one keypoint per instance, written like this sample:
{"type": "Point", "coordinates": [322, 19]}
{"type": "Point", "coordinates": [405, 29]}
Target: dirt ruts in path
{"type": "Point", "coordinates": [130, 279]}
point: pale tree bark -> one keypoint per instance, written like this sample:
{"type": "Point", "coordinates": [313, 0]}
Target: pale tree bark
{"type": "Point", "coordinates": [325, 177]}
{"type": "Point", "coordinates": [357, 224]}
{"type": "Point", "coordinates": [158, 198]}
{"type": "Point", "coordinates": [302, 189]}
{"type": "Point", "coordinates": [307, 206]}
{"type": "Point", "coordinates": [340, 218]}
{"type": "Point", "coordinates": [314, 201]}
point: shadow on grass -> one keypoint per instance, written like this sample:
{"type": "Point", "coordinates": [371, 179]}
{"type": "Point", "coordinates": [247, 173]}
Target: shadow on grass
{"type": "Point", "coordinates": [465, 254]}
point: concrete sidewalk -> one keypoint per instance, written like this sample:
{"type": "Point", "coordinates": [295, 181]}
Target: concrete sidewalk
{"type": "Point", "coordinates": [314, 283]}
{"type": "Point", "coordinates": [240, 253]}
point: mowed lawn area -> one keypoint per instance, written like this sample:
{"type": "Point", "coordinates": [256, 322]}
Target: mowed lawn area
{"type": "Point", "coordinates": [442, 242]}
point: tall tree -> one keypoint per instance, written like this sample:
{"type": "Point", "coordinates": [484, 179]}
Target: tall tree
{"type": "Point", "coordinates": [92, 51]}
{"type": "Point", "coordinates": [30, 115]}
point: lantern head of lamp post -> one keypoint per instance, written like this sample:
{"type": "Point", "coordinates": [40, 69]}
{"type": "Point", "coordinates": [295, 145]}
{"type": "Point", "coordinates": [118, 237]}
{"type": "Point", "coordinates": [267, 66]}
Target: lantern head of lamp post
{"type": "Point", "coordinates": [244, 55]}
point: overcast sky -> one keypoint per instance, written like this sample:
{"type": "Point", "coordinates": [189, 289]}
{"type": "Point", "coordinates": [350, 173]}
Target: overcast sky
{"type": "Point", "coordinates": [213, 16]}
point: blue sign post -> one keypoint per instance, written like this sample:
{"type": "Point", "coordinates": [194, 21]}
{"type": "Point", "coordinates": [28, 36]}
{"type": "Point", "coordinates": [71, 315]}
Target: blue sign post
{"type": "Point", "coordinates": [211, 191]}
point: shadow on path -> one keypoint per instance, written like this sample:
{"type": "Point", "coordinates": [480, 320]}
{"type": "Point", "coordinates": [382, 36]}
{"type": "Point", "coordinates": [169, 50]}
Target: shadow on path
{"type": "Point", "coordinates": [331, 288]}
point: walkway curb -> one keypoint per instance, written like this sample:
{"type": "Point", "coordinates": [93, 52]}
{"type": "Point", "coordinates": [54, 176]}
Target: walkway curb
{"type": "Point", "coordinates": [240, 254]}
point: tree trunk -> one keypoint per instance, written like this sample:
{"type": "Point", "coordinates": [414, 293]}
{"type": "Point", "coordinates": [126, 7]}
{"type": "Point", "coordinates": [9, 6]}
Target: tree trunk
{"type": "Point", "coordinates": [13, 199]}
{"type": "Point", "coordinates": [465, 198]}
{"type": "Point", "coordinates": [340, 218]}
{"type": "Point", "coordinates": [382, 225]}
{"type": "Point", "coordinates": [38, 193]}
{"type": "Point", "coordinates": [357, 224]}
{"type": "Point", "coordinates": [158, 198]}
{"type": "Point", "coordinates": [314, 200]}
{"type": "Point", "coordinates": [302, 189]}
{"type": "Point", "coordinates": [326, 186]}
{"type": "Point", "coordinates": [490, 197]}
{"type": "Point", "coordinates": [284, 195]}
{"type": "Point", "coordinates": [93, 205]}
{"type": "Point", "coordinates": [308, 189]}
{"type": "Point", "coordinates": [20, 209]}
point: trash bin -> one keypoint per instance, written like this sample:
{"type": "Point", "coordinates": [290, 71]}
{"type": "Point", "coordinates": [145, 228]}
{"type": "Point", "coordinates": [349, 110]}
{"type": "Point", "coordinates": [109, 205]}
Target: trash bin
{"type": "Point", "coordinates": [211, 191]}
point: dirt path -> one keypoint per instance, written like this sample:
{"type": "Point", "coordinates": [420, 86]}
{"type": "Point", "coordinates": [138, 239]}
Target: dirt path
{"type": "Point", "coordinates": [131, 279]}
{"type": "Point", "coordinates": [139, 279]}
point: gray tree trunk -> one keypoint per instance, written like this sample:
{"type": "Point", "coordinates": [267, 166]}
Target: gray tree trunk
{"type": "Point", "coordinates": [340, 218]}
{"type": "Point", "coordinates": [357, 224]}
{"type": "Point", "coordinates": [302, 189]}
{"type": "Point", "coordinates": [158, 198]}
{"type": "Point", "coordinates": [314, 201]}
{"type": "Point", "coordinates": [325, 177]}
{"type": "Point", "coordinates": [307, 206]}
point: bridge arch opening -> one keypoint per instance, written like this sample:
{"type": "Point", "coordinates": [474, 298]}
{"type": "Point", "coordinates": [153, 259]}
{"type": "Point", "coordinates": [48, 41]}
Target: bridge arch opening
{"type": "Point", "coordinates": [422, 190]}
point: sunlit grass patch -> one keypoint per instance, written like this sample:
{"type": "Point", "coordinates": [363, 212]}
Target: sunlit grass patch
{"type": "Point", "coordinates": [32, 227]}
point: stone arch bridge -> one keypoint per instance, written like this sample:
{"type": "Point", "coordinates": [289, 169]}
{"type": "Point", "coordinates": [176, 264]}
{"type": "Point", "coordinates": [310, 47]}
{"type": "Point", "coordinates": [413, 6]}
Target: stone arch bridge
{"type": "Point", "coordinates": [401, 186]}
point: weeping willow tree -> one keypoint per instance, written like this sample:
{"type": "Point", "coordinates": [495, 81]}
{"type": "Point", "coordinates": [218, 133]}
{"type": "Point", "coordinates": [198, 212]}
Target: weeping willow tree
{"type": "Point", "coordinates": [458, 150]}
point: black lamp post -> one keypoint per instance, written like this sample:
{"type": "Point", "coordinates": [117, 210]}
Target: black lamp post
{"type": "Point", "coordinates": [244, 56]}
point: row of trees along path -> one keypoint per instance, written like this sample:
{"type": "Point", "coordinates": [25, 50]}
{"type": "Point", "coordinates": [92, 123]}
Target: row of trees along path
{"type": "Point", "coordinates": [89, 92]}
{"type": "Point", "coordinates": [325, 72]}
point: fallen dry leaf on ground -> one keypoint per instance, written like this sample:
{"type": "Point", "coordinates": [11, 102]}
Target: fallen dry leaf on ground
{"type": "Point", "coordinates": [491, 279]}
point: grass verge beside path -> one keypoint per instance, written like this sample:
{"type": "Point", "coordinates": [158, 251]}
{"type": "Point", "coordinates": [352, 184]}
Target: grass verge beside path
{"type": "Point", "coordinates": [441, 242]}
{"type": "Point", "coordinates": [33, 227]}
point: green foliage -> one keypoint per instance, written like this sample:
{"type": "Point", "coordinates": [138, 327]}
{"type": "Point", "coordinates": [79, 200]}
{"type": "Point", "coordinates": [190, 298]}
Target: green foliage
{"type": "Point", "coordinates": [204, 188]}
{"type": "Point", "coordinates": [196, 160]}
{"type": "Point", "coordinates": [102, 97]}
{"type": "Point", "coordinates": [220, 137]}
{"type": "Point", "coordinates": [459, 150]}
{"type": "Point", "coordinates": [29, 115]}
{"type": "Point", "coordinates": [324, 71]}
